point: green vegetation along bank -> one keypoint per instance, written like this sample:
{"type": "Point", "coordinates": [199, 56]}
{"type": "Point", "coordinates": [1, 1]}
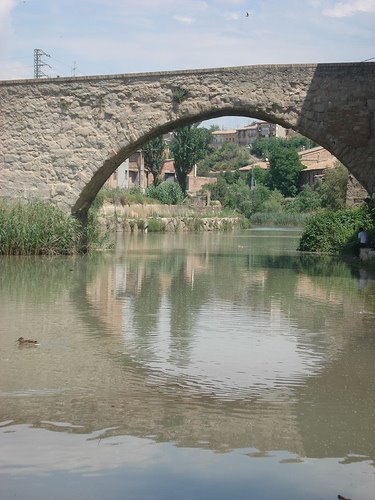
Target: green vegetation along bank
{"type": "Point", "coordinates": [162, 209]}
{"type": "Point", "coordinates": [39, 228]}
{"type": "Point", "coordinates": [335, 232]}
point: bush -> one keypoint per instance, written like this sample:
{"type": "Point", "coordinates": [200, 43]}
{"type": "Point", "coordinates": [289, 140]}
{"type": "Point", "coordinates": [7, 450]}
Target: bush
{"type": "Point", "coordinates": [335, 232]}
{"type": "Point", "coordinates": [245, 200]}
{"type": "Point", "coordinates": [307, 200]}
{"type": "Point", "coordinates": [155, 225]}
{"type": "Point", "coordinates": [168, 193]}
{"type": "Point", "coordinates": [274, 204]}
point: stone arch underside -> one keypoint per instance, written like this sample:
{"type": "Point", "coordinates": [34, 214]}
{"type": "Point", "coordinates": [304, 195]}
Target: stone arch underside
{"type": "Point", "coordinates": [62, 138]}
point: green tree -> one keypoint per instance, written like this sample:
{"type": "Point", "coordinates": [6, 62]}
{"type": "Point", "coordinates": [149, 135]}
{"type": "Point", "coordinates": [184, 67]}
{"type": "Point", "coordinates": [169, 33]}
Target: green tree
{"type": "Point", "coordinates": [233, 192]}
{"type": "Point", "coordinates": [333, 188]}
{"type": "Point", "coordinates": [259, 175]}
{"type": "Point", "coordinates": [263, 148]}
{"type": "Point", "coordinates": [285, 168]}
{"type": "Point", "coordinates": [229, 156]}
{"type": "Point", "coordinates": [189, 144]}
{"type": "Point", "coordinates": [153, 153]}
{"type": "Point", "coordinates": [307, 200]}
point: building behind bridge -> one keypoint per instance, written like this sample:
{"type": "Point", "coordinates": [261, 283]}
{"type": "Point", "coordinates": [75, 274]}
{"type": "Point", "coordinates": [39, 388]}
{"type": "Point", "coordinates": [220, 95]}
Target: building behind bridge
{"type": "Point", "coordinates": [247, 135]}
{"type": "Point", "coordinates": [132, 172]}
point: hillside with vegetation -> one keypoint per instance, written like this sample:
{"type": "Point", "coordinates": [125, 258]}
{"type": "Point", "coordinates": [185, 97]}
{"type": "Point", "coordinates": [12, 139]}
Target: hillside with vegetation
{"type": "Point", "coordinates": [273, 195]}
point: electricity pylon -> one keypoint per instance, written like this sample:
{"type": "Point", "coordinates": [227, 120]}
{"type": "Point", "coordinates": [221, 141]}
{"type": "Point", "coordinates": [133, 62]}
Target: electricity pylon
{"type": "Point", "coordinates": [39, 63]}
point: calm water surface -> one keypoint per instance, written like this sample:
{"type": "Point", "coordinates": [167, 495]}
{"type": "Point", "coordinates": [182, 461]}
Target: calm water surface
{"type": "Point", "coordinates": [189, 366]}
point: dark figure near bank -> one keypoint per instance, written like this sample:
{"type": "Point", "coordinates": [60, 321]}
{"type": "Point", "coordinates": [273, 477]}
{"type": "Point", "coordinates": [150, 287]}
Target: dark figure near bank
{"type": "Point", "coordinates": [362, 238]}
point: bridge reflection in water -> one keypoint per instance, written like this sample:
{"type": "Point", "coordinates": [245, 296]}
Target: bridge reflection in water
{"type": "Point", "coordinates": [231, 343]}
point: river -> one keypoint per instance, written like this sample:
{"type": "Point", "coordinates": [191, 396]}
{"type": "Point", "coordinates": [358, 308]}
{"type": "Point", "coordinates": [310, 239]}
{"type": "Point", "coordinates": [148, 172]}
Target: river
{"type": "Point", "coordinates": [187, 366]}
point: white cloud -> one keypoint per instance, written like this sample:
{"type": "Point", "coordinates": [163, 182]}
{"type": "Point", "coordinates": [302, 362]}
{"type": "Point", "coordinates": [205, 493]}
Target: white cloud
{"type": "Point", "coordinates": [234, 2]}
{"type": "Point", "coordinates": [232, 16]}
{"type": "Point", "coordinates": [6, 7]}
{"type": "Point", "coordinates": [201, 5]}
{"type": "Point", "coordinates": [149, 5]}
{"type": "Point", "coordinates": [184, 19]}
{"type": "Point", "coordinates": [346, 9]}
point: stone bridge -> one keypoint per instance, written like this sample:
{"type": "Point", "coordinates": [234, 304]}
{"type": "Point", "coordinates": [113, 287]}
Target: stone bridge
{"type": "Point", "coordinates": [62, 138]}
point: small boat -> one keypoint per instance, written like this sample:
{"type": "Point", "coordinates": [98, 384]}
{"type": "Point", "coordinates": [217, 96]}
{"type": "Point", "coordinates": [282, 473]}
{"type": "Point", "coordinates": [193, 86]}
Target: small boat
{"type": "Point", "coordinates": [22, 341]}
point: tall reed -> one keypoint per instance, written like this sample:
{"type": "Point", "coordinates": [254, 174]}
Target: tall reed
{"type": "Point", "coordinates": [280, 218]}
{"type": "Point", "coordinates": [37, 228]}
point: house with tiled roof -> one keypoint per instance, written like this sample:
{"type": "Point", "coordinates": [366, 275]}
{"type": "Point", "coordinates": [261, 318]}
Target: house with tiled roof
{"type": "Point", "coordinates": [219, 137]}
{"type": "Point", "coordinates": [315, 161]}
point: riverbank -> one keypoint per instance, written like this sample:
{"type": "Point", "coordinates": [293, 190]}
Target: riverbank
{"type": "Point", "coordinates": [165, 218]}
{"type": "Point", "coordinates": [39, 228]}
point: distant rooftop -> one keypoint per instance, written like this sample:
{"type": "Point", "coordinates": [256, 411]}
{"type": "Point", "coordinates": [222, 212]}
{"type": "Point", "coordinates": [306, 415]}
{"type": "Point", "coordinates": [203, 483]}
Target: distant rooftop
{"type": "Point", "coordinates": [222, 132]}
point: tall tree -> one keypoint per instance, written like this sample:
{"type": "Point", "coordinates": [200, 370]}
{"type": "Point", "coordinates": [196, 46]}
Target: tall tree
{"type": "Point", "coordinates": [153, 154]}
{"type": "Point", "coordinates": [189, 144]}
{"type": "Point", "coordinates": [285, 168]}
{"type": "Point", "coordinates": [333, 188]}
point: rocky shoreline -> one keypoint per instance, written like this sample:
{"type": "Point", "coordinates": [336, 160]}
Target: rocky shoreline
{"type": "Point", "coordinates": [135, 218]}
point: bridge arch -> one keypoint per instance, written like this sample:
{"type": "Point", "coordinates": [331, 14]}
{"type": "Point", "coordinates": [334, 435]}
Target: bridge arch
{"type": "Point", "coordinates": [62, 138]}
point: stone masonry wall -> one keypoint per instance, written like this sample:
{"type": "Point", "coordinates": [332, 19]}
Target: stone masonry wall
{"type": "Point", "coordinates": [62, 138]}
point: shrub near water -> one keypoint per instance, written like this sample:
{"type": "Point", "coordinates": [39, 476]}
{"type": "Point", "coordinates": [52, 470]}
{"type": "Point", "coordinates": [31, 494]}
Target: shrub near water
{"type": "Point", "coordinates": [37, 228]}
{"type": "Point", "coordinates": [155, 225]}
{"type": "Point", "coordinates": [334, 232]}
{"type": "Point", "coordinates": [168, 193]}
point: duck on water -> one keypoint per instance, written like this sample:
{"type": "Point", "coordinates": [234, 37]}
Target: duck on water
{"type": "Point", "coordinates": [29, 342]}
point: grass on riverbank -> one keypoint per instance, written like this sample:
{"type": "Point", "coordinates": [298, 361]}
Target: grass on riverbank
{"type": "Point", "coordinates": [36, 228]}
{"type": "Point", "coordinates": [280, 218]}
{"type": "Point", "coordinates": [122, 196]}
{"type": "Point", "coordinates": [39, 228]}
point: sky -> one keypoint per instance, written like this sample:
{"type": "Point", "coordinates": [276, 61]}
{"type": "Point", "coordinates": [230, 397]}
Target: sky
{"type": "Point", "coordinates": [94, 37]}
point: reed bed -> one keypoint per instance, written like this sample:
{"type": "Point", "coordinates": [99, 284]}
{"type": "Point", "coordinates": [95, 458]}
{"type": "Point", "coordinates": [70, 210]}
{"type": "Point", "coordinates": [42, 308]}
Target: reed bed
{"type": "Point", "coordinates": [37, 228]}
{"type": "Point", "coordinates": [280, 218]}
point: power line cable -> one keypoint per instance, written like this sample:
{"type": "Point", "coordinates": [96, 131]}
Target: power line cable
{"type": "Point", "coordinates": [60, 62]}
{"type": "Point", "coordinates": [370, 59]}
{"type": "Point", "coordinates": [73, 68]}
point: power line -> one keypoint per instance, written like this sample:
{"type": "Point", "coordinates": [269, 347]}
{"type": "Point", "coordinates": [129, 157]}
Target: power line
{"type": "Point", "coordinates": [366, 60]}
{"type": "Point", "coordinates": [39, 63]}
{"type": "Point", "coordinates": [60, 62]}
